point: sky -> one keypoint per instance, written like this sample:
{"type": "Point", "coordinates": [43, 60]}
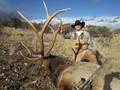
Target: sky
{"type": "Point", "coordinates": [92, 12]}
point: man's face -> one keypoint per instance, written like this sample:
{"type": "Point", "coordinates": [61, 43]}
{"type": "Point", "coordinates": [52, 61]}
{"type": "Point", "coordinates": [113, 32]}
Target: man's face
{"type": "Point", "coordinates": [78, 27]}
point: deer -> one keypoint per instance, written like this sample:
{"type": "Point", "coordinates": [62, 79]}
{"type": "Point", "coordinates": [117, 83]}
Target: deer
{"type": "Point", "coordinates": [66, 73]}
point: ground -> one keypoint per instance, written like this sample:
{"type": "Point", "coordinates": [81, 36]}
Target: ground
{"type": "Point", "coordinates": [16, 73]}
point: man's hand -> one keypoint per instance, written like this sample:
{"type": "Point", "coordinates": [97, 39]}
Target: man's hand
{"type": "Point", "coordinates": [89, 52]}
{"type": "Point", "coordinates": [61, 27]}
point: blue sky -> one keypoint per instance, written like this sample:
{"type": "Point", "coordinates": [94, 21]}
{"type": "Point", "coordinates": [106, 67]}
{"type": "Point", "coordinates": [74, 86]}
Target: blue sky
{"type": "Point", "coordinates": [87, 10]}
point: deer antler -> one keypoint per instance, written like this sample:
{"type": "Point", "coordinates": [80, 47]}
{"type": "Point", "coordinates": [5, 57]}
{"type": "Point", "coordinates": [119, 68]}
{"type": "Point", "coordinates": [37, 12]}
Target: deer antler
{"type": "Point", "coordinates": [55, 32]}
{"type": "Point", "coordinates": [54, 35]}
{"type": "Point", "coordinates": [41, 54]}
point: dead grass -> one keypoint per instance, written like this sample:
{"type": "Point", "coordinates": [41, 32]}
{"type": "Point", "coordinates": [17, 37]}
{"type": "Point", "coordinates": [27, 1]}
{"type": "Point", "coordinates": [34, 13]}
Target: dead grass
{"type": "Point", "coordinates": [111, 51]}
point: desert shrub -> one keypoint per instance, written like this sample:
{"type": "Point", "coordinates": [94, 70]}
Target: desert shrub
{"type": "Point", "coordinates": [68, 29]}
{"type": "Point", "coordinates": [47, 30]}
{"type": "Point", "coordinates": [97, 31]}
{"type": "Point", "coordinates": [1, 28]}
{"type": "Point", "coordinates": [38, 26]}
{"type": "Point", "coordinates": [104, 31]}
{"type": "Point", "coordinates": [15, 22]}
{"type": "Point", "coordinates": [91, 26]}
{"type": "Point", "coordinates": [116, 31]}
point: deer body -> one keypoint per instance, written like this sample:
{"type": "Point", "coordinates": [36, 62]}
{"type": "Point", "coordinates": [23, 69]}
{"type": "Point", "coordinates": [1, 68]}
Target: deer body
{"type": "Point", "coordinates": [74, 74]}
{"type": "Point", "coordinates": [65, 74]}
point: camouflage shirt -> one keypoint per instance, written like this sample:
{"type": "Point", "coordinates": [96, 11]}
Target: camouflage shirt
{"type": "Point", "coordinates": [87, 38]}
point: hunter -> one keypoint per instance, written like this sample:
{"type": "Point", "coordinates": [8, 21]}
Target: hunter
{"type": "Point", "coordinates": [82, 43]}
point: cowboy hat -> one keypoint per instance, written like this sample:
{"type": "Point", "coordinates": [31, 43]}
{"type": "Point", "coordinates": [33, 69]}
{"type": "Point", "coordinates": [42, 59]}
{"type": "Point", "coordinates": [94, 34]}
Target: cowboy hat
{"type": "Point", "coordinates": [77, 22]}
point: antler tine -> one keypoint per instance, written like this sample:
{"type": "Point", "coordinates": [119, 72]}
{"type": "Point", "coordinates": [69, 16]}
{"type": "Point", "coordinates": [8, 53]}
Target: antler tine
{"type": "Point", "coordinates": [59, 24]}
{"type": "Point", "coordinates": [55, 35]}
{"type": "Point", "coordinates": [51, 28]}
{"type": "Point", "coordinates": [36, 31]}
{"type": "Point", "coordinates": [55, 12]}
{"type": "Point", "coordinates": [31, 59]}
{"type": "Point", "coordinates": [40, 33]}
{"type": "Point", "coordinates": [29, 22]}
{"type": "Point", "coordinates": [36, 57]}
{"type": "Point", "coordinates": [28, 49]}
{"type": "Point", "coordinates": [49, 18]}
{"type": "Point", "coordinates": [31, 52]}
{"type": "Point", "coordinates": [46, 10]}
{"type": "Point", "coordinates": [52, 44]}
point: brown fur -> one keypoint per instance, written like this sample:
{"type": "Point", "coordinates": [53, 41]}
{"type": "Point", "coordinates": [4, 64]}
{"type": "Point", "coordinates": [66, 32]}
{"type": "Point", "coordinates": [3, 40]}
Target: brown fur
{"type": "Point", "coordinates": [66, 85]}
{"type": "Point", "coordinates": [66, 74]}
{"type": "Point", "coordinates": [54, 65]}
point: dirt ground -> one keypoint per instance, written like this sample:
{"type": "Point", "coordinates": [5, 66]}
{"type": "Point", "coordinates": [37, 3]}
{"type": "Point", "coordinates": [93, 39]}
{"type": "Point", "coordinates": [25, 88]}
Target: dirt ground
{"type": "Point", "coordinates": [17, 74]}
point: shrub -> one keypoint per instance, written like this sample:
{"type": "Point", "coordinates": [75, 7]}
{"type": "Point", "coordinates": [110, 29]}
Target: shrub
{"type": "Point", "coordinates": [116, 31]}
{"type": "Point", "coordinates": [99, 31]}
{"type": "Point", "coordinates": [1, 28]}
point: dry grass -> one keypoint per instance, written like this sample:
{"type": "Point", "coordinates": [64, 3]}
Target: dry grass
{"type": "Point", "coordinates": [110, 51]}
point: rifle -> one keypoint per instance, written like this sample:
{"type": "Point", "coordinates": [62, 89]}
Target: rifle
{"type": "Point", "coordinates": [85, 83]}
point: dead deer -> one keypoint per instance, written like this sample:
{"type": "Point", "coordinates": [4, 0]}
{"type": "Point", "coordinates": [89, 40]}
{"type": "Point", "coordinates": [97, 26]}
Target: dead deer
{"type": "Point", "coordinates": [66, 73]}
